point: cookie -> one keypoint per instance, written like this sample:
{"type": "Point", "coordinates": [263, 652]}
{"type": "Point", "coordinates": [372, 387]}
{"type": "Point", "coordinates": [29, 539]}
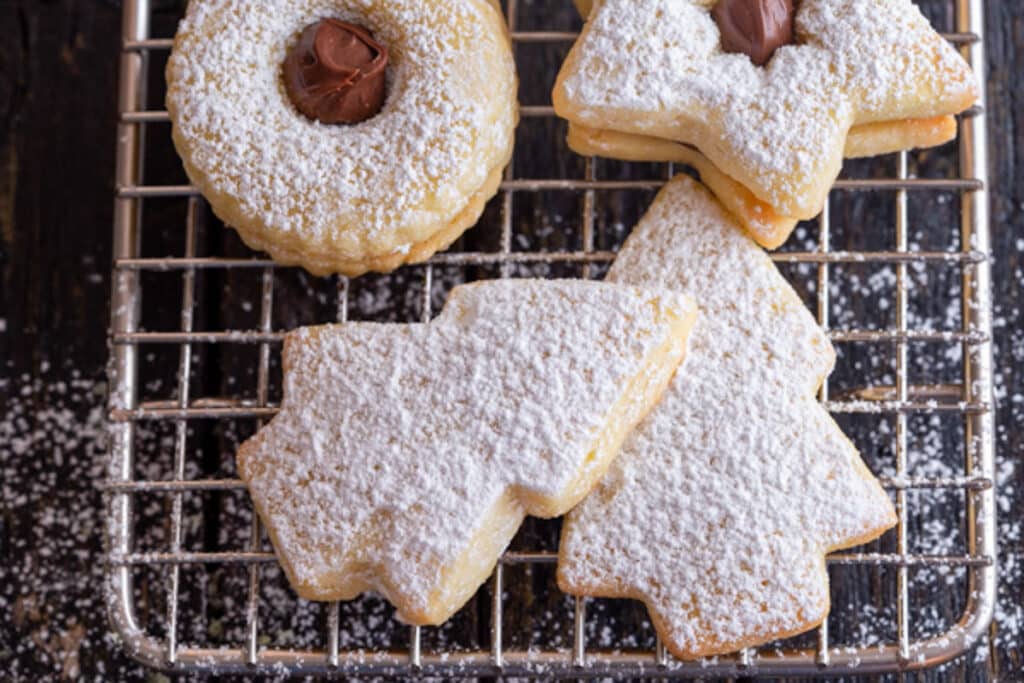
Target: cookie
{"type": "Point", "coordinates": [344, 135]}
{"type": "Point", "coordinates": [755, 216]}
{"type": "Point", "coordinates": [405, 457]}
{"type": "Point", "coordinates": [721, 506]}
{"type": "Point", "coordinates": [778, 129]}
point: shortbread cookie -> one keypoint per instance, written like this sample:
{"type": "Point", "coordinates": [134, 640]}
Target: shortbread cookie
{"type": "Point", "coordinates": [721, 506]}
{"type": "Point", "coordinates": [778, 129]}
{"type": "Point", "coordinates": [757, 217]}
{"type": "Point", "coordinates": [344, 135]}
{"type": "Point", "coordinates": [405, 457]}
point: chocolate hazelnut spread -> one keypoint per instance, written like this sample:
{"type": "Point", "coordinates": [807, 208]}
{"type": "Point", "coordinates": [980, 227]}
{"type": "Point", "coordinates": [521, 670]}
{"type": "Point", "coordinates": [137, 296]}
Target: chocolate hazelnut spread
{"type": "Point", "coordinates": [755, 27]}
{"type": "Point", "coordinates": [336, 72]}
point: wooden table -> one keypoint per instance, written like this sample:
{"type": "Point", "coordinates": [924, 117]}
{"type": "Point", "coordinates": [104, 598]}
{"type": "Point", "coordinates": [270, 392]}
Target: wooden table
{"type": "Point", "coordinates": [58, 75]}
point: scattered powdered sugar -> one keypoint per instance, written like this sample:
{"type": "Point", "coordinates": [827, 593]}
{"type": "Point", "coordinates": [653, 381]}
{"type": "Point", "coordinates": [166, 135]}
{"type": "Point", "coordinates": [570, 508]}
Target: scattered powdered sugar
{"type": "Point", "coordinates": [52, 610]}
{"type": "Point", "coordinates": [657, 68]}
{"type": "Point", "coordinates": [50, 433]}
{"type": "Point", "coordinates": [368, 189]}
{"type": "Point", "coordinates": [738, 472]}
{"type": "Point", "coordinates": [53, 458]}
{"type": "Point", "coordinates": [395, 443]}
{"type": "Point", "coordinates": [45, 602]}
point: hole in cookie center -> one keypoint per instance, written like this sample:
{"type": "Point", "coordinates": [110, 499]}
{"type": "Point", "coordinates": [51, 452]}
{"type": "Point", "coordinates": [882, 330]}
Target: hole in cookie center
{"type": "Point", "coordinates": [336, 73]}
{"type": "Point", "coordinates": [756, 28]}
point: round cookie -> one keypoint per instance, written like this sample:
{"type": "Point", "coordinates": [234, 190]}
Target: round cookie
{"type": "Point", "coordinates": [339, 198]}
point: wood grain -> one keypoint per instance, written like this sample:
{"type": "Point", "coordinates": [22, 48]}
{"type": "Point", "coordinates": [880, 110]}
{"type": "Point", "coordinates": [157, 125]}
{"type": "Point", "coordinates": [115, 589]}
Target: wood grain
{"type": "Point", "coordinates": [58, 73]}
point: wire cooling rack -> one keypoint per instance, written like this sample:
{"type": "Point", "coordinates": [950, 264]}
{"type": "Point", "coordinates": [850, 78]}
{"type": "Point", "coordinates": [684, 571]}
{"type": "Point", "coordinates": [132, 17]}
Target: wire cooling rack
{"type": "Point", "coordinates": [899, 417]}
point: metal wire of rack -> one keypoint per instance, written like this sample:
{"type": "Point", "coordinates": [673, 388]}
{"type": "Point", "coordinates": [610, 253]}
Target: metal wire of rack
{"type": "Point", "coordinates": [969, 400]}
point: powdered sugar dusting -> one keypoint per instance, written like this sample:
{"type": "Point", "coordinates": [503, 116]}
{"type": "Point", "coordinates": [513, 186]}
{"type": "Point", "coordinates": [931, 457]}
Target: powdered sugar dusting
{"type": "Point", "coordinates": [401, 439]}
{"type": "Point", "coordinates": [657, 68]}
{"type": "Point", "coordinates": [739, 472]}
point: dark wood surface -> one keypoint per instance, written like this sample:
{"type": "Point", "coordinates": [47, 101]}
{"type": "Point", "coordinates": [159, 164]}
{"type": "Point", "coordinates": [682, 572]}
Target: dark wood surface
{"type": "Point", "coordinates": [58, 75]}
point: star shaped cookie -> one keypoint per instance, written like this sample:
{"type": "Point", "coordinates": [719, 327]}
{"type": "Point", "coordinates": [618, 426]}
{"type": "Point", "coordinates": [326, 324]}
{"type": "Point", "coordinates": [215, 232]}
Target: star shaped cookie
{"type": "Point", "coordinates": [759, 219]}
{"type": "Point", "coordinates": [655, 70]}
{"type": "Point", "coordinates": [405, 457]}
{"type": "Point", "coordinates": [721, 506]}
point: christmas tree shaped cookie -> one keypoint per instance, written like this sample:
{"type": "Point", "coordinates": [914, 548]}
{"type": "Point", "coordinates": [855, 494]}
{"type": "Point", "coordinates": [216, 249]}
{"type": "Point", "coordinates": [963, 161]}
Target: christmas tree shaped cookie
{"type": "Point", "coordinates": [405, 457]}
{"type": "Point", "coordinates": [724, 501]}
{"type": "Point", "coordinates": [771, 92]}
